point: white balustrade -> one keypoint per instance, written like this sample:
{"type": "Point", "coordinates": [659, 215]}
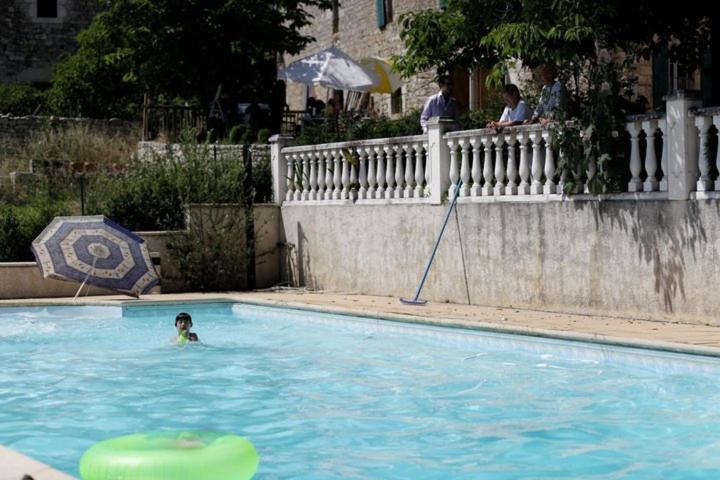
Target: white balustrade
{"type": "Point", "coordinates": [345, 179]}
{"type": "Point", "coordinates": [297, 161]}
{"type": "Point", "coordinates": [635, 184]}
{"type": "Point", "coordinates": [313, 175]}
{"type": "Point", "coordinates": [290, 185]}
{"type": "Point", "coordinates": [372, 176]}
{"type": "Point", "coordinates": [329, 175]}
{"type": "Point", "coordinates": [389, 173]}
{"type": "Point", "coordinates": [409, 170]}
{"type": "Point", "coordinates": [662, 126]}
{"type": "Point", "coordinates": [476, 171]}
{"type": "Point", "coordinates": [321, 176]}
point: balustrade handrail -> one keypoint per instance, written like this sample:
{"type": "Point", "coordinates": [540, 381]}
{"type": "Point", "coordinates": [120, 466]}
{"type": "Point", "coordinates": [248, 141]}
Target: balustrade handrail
{"type": "Point", "coordinates": [705, 111]}
{"type": "Point", "coordinates": [372, 142]}
{"type": "Point", "coordinates": [535, 127]}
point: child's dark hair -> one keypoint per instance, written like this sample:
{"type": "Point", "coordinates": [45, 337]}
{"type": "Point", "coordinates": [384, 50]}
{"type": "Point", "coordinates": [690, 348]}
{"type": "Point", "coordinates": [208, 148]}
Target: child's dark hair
{"type": "Point", "coordinates": [511, 89]}
{"type": "Point", "coordinates": [183, 316]}
{"type": "Point", "coordinates": [443, 79]}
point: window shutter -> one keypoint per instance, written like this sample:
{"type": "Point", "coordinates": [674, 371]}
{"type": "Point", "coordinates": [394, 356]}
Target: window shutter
{"type": "Point", "coordinates": [442, 4]}
{"type": "Point", "coordinates": [380, 9]}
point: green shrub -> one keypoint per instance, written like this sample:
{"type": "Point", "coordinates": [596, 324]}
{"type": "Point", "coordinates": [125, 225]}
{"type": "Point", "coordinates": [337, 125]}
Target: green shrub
{"type": "Point", "coordinates": [20, 98]}
{"type": "Point", "coordinates": [263, 135]}
{"type": "Point", "coordinates": [20, 225]}
{"type": "Point", "coordinates": [237, 134]}
{"type": "Point", "coordinates": [151, 194]}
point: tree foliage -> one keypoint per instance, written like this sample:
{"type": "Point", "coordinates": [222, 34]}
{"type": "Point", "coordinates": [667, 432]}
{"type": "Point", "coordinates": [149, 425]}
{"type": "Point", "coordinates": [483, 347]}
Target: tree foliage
{"type": "Point", "coordinates": [178, 50]}
{"type": "Point", "coordinates": [489, 32]}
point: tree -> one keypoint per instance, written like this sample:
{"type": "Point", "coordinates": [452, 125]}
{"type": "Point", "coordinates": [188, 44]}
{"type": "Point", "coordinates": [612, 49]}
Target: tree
{"type": "Point", "coordinates": [178, 50]}
{"type": "Point", "coordinates": [592, 44]}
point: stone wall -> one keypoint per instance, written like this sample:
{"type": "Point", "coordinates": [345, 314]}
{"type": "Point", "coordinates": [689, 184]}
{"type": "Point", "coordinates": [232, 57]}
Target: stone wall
{"type": "Point", "coordinates": [31, 46]}
{"type": "Point", "coordinates": [359, 36]}
{"type": "Point", "coordinates": [642, 259]}
{"type": "Point", "coordinates": [21, 128]}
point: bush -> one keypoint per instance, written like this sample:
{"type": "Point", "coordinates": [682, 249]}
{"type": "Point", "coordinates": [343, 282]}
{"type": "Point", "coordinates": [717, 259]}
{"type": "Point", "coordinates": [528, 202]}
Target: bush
{"type": "Point", "coordinates": [263, 135]}
{"type": "Point", "coordinates": [151, 195]}
{"type": "Point", "coordinates": [211, 255]}
{"type": "Point", "coordinates": [20, 225]}
{"type": "Point", "coordinates": [20, 99]}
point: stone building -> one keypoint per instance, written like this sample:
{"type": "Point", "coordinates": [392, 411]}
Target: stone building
{"type": "Point", "coordinates": [364, 28]}
{"type": "Point", "coordinates": [34, 34]}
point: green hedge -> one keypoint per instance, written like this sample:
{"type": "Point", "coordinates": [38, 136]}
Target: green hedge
{"type": "Point", "coordinates": [20, 224]}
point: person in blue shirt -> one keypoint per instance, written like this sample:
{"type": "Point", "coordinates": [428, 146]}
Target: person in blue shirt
{"type": "Point", "coordinates": [441, 104]}
{"type": "Point", "coordinates": [553, 96]}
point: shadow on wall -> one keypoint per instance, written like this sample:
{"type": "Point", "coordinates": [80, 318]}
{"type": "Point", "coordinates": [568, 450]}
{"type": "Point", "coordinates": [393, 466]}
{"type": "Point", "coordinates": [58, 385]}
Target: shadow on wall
{"type": "Point", "coordinates": [661, 238]}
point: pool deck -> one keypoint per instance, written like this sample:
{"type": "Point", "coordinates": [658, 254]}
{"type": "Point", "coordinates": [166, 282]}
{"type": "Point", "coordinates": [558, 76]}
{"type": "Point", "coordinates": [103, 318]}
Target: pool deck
{"type": "Point", "coordinates": [668, 336]}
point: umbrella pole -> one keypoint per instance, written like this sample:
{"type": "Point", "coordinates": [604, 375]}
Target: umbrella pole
{"type": "Point", "coordinates": [86, 279]}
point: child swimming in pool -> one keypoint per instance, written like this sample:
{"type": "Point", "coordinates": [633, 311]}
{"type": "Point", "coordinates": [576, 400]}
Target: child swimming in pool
{"type": "Point", "coordinates": [183, 323]}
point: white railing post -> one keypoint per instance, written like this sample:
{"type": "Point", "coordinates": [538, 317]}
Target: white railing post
{"type": "Point", "coordinates": [487, 188]}
{"type": "Point", "coordinates": [329, 174]}
{"type": "Point", "coordinates": [465, 167]}
{"type": "Point", "coordinates": [716, 121]}
{"type": "Point", "coordinates": [363, 180]}
{"type": "Point", "coordinates": [313, 176]}
{"type": "Point", "coordinates": [524, 170]}
{"type": "Point", "coordinates": [372, 176]}
{"type": "Point", "coordinates": [290, 175]}
{"type": "Point", "coordinates": [399, 174]}
{"type": "Point", "coordinates": [550, 186]}
{"type": "Point", "coordinates": [380, 173]}
{"type": "Point", "coordinates": [651, 183]}
{"type": "Point", "coordinates": [499, 189]}
{"type": "Point", "coordinates": [305, 158]}
{"type": "Point", "coordinates": [354, 175]}
{"type": "Point", "coordinates": [279, 167]}
{"type": "Point", "coordinates": [337, 175]}
{"type": "Point", "coordinates": [662, 126]}
{"type": "Point", "coordinates": [635, 184]}
{"type": "Point", "coordinates": [321, 176]}
{"type": "Point", "coordinates": [681, 145]}
{"type": "Point", "coordinates": [453, 173]}
{"type": "Point", "coordinates": [298, 175]}
{"type": "Point", "coordinates": [536, 169]}
{"type": "Point", "coordinates": [476, 172]}
{"type": "Point", "coordinates": [409, 170]}
{"type": "Point", "coordinates": [438, 157]}
{"type": "Point", "coordinates": [703, 125]}
{"type": "Point", "coordinates": [389, 173]}
{"type": "Point", "coordinates": [419, 171]}
{"type": "Point", "coordinates": [511, 187]}
{"type": "Point", "coordinates": [345, 178]}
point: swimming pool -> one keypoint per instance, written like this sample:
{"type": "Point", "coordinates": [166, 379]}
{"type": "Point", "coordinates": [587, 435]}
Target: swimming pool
{"type": "Point", "coordinates": [328, 396]}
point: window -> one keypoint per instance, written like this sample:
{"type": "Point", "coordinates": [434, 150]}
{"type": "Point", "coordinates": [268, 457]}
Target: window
{"type": "Point", "coordinates": [442, 4]}
{"type": "Point", "coordinates": [47, 9]}
{"type": "Point", "coordinates": [336, 16]}
{"type": "Point", "coordinates": [383, 9]}
{"type": "Point", "coordinates": [396, 102]}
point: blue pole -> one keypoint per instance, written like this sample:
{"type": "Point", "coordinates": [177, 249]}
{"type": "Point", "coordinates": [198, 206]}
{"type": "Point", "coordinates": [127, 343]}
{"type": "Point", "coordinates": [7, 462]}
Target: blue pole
{"type": "Point", "coordinates": [415, 301]}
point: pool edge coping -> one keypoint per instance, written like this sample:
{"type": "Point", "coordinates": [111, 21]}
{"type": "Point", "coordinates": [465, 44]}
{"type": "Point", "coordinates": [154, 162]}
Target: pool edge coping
{"type": "Point", "coordinates": [20, 464]}
{"type": "Point", "coordinates": [478, 325]}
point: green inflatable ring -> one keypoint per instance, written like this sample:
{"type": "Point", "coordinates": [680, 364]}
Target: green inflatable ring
{"type": "Point", "coordinates": [171, 456]}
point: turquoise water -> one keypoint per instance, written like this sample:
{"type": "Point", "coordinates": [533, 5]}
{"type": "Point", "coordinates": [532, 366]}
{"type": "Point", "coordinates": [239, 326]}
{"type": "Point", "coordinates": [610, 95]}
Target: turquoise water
{"type": "Point", "coordinates": [325, 396]}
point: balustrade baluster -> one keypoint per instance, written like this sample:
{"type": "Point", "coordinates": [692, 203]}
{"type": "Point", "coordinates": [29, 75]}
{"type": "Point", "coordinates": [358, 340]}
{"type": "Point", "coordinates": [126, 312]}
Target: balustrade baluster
{"type": "Point", "coordinates": [651, 183]}
{"type": "Point", "coordinates": [313, 176]}
{"type": "Point", "coordinates": [419, 171]}
{"type": "Point", "coordinates": [499, 189]}
{"type": "Point", "coordinates": [703, 124]}
{"type": "Point", "coordinates": [389, 173]}
{"type": "Point", "coordinates": [476, 170]}
{"type": "Point", "coordinates": [635, 184]}
{"type": "Point", "coordinates": [662, 126]}
{"type": "Point", "coordinates": [487, 188]}
{"type": "Point", "coordinates": [380, 192]}
{"type": "Point", "coordinates": [465, 167]}
{"type": "Point", "coordinates": [363, 180]}
{"type": "Point", "coordinates": [372, 176]}
{"type": "Point", "coordinates": [399, 172]}
{"type": "Point", "coordinates": [454, 172]}
{"type": "Point", "coordinates": [409, 170]}
{"type": "Point", "coordinates": [511, 187]}
{"type": "Point", "coordinates": [536, 168]}
{"type": "Point", "coordinates": [290, 179]}
{"type": "Point", "coordinates": [550, 185]}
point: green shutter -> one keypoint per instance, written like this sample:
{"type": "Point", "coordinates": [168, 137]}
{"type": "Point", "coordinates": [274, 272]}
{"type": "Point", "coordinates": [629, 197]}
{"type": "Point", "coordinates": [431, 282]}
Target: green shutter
{"type": "Point", "coordinates": [380, 9]}
{"type": "Point", "coordinates": [442, 4]}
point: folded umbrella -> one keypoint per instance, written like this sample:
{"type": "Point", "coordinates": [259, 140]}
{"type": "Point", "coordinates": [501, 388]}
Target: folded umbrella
{"type": "Point", "coordinates": [330, 68]}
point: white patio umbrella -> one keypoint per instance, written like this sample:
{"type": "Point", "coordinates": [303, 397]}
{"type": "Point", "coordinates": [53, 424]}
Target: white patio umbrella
{"type": "Point", "coordinates": [330, 68]}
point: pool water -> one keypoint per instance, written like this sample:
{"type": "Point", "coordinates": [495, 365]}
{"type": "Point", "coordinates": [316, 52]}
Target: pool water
{"type": "Point", "coordinates": [326, 396]}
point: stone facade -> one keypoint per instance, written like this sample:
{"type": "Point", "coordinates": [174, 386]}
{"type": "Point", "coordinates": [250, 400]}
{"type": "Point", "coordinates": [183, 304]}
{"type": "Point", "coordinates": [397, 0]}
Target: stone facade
{"type": "Point", "coordinates": [359, 36]}
{"type": "Point", "coordinates": [30, 45]}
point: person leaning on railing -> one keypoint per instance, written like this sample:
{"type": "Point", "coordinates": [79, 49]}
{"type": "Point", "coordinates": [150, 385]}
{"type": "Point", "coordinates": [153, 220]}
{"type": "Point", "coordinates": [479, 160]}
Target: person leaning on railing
{"type": "Point", "coordinates": [553, 96]}
{"type": "Point", "coordinates": [516, 110]}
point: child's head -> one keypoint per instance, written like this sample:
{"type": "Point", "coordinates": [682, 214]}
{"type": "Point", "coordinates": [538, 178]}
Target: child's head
{"type": "Point", "coordinates": [183, 321]}
{"type": "Point", "coordinates": [511, 94]}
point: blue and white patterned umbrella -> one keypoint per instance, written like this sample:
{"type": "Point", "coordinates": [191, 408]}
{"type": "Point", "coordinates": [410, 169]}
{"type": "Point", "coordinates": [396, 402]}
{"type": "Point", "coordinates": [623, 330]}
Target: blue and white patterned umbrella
{"type": "Point", "coordinates": [95, 250]}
